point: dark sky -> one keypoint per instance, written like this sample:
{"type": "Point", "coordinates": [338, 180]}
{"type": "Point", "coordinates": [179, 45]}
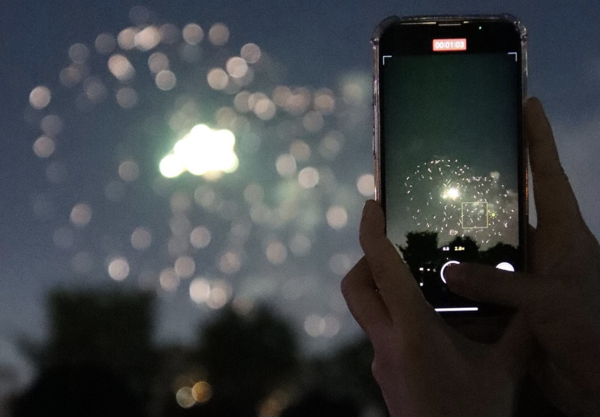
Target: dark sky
{"type": "Point", "coordinates": [318, 43]}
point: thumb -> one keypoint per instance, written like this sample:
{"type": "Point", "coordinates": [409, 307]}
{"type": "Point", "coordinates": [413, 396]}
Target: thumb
{"type": "Point", "coordinates": [488, 284]}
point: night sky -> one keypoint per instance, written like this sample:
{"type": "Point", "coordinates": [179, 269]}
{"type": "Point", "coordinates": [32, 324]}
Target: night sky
{"type": "Point", "coordinates": [283, 226]}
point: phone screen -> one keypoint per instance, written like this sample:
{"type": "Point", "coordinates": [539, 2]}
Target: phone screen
{"type": "Point", "coordinates": [451, 150]}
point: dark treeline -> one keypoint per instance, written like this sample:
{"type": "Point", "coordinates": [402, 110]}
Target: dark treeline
{"type": "Point", "coordinates": [100, 360]}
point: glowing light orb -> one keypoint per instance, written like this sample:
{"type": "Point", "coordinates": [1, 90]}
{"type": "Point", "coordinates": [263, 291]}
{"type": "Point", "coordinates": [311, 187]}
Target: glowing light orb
{"type": "Point", "coordinates": [452, 193]}
{"type": "Point", "coordinates": [203, 151]}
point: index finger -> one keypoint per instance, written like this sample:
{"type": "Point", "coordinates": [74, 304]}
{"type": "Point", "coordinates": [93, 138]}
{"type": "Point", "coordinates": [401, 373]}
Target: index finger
{"type": "Point", "coordinates": [393, 279]}
{"type": "Point", "coordinates": [555, 201]}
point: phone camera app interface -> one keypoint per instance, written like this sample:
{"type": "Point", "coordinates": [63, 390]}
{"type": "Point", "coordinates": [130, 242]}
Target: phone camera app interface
{"type": "Point", "coordinates": [450, 150]}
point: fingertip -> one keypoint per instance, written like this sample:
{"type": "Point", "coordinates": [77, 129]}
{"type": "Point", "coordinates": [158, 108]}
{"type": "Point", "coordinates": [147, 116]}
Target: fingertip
{"type": "Point", "coordinates": [452, 272]}
{"type": "Point", "coordinates": [536, 121]}
{"type": "Point", "coordinates": [457, 272]}
{"type": "Point", "coordinates": [535, 109]}
{"type": "Point", "coordinates": [533, 103]}
{"type": "Point", "coordinates": [464, 278]}
{"type": "Point", "coordinates": [370, 207]}
{"type": "Point", "coordinates": [555, 201]}
{"type": "Point", "coordinates": [456, 276]}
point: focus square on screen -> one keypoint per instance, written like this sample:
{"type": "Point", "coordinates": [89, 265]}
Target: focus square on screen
{"type": "Point", "coordinates": [474, 215]}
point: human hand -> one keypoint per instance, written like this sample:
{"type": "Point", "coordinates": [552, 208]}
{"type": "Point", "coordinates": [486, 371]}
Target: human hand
{"type": "Point", "coordinates": [425, 368]}
{"type": "Point", "coordinates": [560, 297]}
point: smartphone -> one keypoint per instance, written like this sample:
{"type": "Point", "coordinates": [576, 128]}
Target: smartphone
{"type": "Point", "coordinates": [449, 147]}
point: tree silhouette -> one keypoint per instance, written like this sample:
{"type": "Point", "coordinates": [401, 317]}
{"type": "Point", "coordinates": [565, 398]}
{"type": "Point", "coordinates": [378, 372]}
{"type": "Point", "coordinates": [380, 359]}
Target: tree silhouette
{"type": "Point", "coordinates": [421, 251]}
{"type": "Point", "coordinates": [501, 252]}
{"type": "Point", "coordinates": [247, 357]}
{"type": "Point", "coordinates": [78, 390]}
{"type": "Point", "coordinates": [317, 404]}
{"type": "Point", "coordinates": [98, 357]}
{"type": "Point", "coordinates": [344, 375]}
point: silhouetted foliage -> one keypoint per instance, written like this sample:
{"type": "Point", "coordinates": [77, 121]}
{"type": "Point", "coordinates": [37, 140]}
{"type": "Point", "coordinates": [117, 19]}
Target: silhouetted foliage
{"type": "Point", "coordinates": [213, 408]}
{"type": "Point", "coordinates": [421, 250]}
{"type": "Point", "coordinates": [113, 329]}
{"type": "Point", "coordinates": [99, 350]}
{"type": "Point", "coordinates": [78, 391]}
{"type": "Point", "coordinates": [346, 374]}
{"type": "Point", "coordinates": [100, 361]}
{"type": "Point", "coordinates": [248, 356]}
{"type": "Point", "coordinates": [501, 252]}
{"type": "Point", "coordinates": [317, 404]}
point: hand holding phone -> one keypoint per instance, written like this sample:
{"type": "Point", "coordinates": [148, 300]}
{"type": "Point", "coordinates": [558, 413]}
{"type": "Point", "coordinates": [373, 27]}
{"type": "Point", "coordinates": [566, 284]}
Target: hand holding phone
{"type": "Point", "coordinates": [425, 368]}
{"type": "Point", "coordinates": [449, 147]}
{"type": "Point", "coordinates": [560, 297]}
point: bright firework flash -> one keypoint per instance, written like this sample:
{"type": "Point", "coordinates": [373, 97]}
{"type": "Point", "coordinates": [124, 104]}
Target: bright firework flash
{"type": "Point", "coordinates": [178, 166]}
{"type": "Point", "coordinates": [449, 198]}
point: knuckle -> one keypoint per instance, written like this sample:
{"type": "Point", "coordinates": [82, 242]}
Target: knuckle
{"type": "Point", "coordinates": [378, 368]}
{"type": "Point", "coordinates": [345, 285]}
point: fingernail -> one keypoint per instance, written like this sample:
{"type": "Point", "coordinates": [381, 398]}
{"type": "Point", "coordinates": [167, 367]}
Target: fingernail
{"type": "Point", "coordinates": [369, 204]}
{"type": "Point", "coordinates": [370, 208]}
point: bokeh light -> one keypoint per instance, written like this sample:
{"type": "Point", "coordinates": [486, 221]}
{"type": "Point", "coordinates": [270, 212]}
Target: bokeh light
{"type": "Point", "coordinates": [169, 280]}
{"type": "Point", "coordinates": [218, 34]}
{"type": "Point", "coordinates": [185, 397]}
{"type": "Point", "coordinates": [43, 146]}
{"type": "Point", "coordinates": [51, 125]}
{"type": "Point", "coordinates": [276, 252]}
{"type": "Point", "coordinates": [217, 79]}
{"type": "Point", "coordinates": [81, 214]}
{"type": "Point", "coordinates": [127, 97]}
{"type": "Point", "coordinates": [337, 217]}
{"type": "Point", "coordinates": [308, 177]}
{"type": "Point", "coordinates": [366, 185]}
{"type": "Point", "coordinates": [120, 67]}
{"type": "Point", "coordinates": [129, 171]}
{"type": "Point", "coordinates": [202, 392]}
{"type": "Point", "coordinates": [165, 80]}
{"type": "Point", "coordinates": [200, 290]}
{"type": "Point", "coordinates": [185, 266]}
{"type": "Point", "coordinates": [200, 237]}
{"type": "Point", "coordinates": [251, 53]}
{"type": "Point", "coordinates": [105, 43]}
{"type": "Point", "coordinates": [40, 97]}
{"type": "Point", "coordinates": [148, 38]}
{"type": "Point", "coordinates": [126, 38]}
{"type": "Point", "coordinates": [192, 33]}
{"type": "Point", "coordinates": [141, 238]}
{"type": "Point", "coordinates": [118, 268]}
